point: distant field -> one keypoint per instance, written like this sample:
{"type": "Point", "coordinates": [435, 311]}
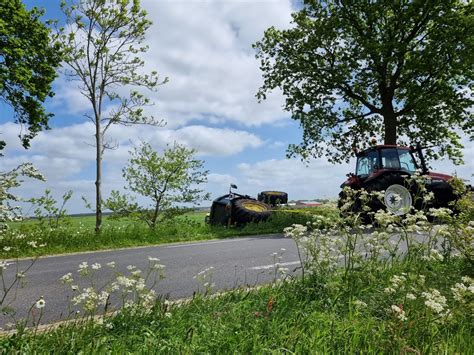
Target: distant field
{"type": "Point", "coordinates": [89, 220]}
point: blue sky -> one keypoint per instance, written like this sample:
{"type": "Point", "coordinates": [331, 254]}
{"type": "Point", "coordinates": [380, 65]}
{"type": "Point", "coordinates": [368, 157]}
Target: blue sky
{"type": "Point", "coordinates": [209, 104]}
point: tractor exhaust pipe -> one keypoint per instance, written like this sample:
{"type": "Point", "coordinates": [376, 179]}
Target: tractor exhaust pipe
{"type": "Point", "coordinates": [419, 150]}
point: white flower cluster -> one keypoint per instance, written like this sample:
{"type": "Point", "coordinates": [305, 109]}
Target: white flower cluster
{"type": "Point", "coordinates": [434, 255]}
{"type": "Point", "coordinates": [385, 218]}
{"type": "Point", "coordinates": [132, 288]}
{"type": "Point", "coordinates": [396, 283]}
{"type": "Point", "coordinates": [3, 265]}
{"type": "Point", "coordinates": [399, 312]}
{"type": "Point", "coordinates": [435, 302]}
{"type": "Point", "coordinates": [297, 232]}
{"type": "Point", "coordinates": [463, 291]}
{"type": "Point", "coordinates": [441, 213]}
{"type": "Point", "coordinates": [90, 299]}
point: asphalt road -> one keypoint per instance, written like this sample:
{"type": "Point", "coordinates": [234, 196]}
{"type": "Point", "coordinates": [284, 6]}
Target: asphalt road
{"type": "Point", "coordinates": [236, 262]}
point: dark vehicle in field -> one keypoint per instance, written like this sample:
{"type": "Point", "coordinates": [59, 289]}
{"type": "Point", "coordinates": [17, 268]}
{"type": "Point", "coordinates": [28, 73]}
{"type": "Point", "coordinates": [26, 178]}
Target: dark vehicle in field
{"type": "Point", "coordinates": [236, 209]}
{"type": "Point", "coordinates": [385, 168]}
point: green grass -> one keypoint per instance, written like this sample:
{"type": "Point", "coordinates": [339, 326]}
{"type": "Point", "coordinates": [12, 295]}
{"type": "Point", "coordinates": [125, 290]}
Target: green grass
{"type": "Point", "coordinates": [77, 233]}
{"type": "Point", "coordinates": [293, 317]}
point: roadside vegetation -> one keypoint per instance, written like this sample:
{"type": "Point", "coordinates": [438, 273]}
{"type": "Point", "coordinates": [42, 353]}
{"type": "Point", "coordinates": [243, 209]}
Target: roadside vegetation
{"type": "Point", "coordinates": [74, 234]}
{"type": "Point", "coordinates": [358, 290]}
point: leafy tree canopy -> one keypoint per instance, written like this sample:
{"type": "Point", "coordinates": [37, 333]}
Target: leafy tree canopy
{"type": "Point", "coordinates": [28, 62]}
{"type": "Point", "coordinates": [402, 70]}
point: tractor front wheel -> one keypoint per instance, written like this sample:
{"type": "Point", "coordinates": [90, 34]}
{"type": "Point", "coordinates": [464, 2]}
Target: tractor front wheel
{"type": "Point", "coordinates": [397, 197]}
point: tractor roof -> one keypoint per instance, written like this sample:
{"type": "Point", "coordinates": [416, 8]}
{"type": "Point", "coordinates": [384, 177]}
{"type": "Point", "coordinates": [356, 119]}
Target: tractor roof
{"type": "Point", "coordinates": [382, 146]}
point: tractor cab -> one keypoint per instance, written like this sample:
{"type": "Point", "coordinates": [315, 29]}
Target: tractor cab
{"type": "Point", "coordinates": [381, 158]}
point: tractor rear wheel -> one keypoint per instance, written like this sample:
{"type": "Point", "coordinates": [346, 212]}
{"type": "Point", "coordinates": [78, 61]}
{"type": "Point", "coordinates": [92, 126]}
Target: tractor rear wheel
{"type": "Point", "coordinates": [247, 210]}
{"type": "Point", "coordinates": [273, 197]}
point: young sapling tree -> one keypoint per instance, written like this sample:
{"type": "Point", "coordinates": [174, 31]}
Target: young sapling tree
{"type": "Point", "coordinates": [168, 179]}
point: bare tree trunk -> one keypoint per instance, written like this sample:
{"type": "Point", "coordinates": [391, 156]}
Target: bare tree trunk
{"type": "Point", "coordinates": [98, 181]}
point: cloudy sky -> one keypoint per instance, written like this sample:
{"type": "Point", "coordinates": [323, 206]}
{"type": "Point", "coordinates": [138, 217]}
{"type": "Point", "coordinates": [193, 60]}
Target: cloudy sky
{"type": "Point", "coordinates": [209, 104]}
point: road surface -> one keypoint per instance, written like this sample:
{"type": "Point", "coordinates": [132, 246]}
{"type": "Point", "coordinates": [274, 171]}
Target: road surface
{"type": "Point", "coordinates": [236, 262]}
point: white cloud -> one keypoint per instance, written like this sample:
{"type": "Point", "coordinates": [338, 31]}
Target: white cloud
{"type": "Point", "coordinates": [205, 48]}
{"type": "Point", "coordinates": [300, 181]}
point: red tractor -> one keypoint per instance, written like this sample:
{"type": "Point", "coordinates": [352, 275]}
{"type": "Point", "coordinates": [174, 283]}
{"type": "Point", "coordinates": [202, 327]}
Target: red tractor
{"type": "Point", "coordinates": [385, 168]}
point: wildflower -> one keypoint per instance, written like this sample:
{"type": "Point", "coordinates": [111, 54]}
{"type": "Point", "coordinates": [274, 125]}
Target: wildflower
{"type": "Point", "coordinates": [389, 290]}
{"type": "Point", "coordinates": [153, 259]}
{"type": "Point", "coordinates": [131, 267]}
{"type": "Point", "coordinates": [96, 266]}
{"type": "Point", "coordinates": [434, 301]}
{"type": "Point", "coordinates": [462, 289]}
{"type": "Point", "coordinates": [434, 255]}
{"type": "Point", "coordinates": [40, 303]}
{"type": "Point", "coordinates": [410, 296]}
{"type": "Point", "coordinates": [32, 244]}
{"type": "Point", "coordinates": [103, 297]}
{"type": "Point", "coordinates": [3, 265]}
{"type": "Point", "coordinates": [440, 213]}
{"type": "Point", "coordinates": [397, 281]}
{"type": "Point", "coordinates": [168, 315]}
{"type": "Point", "coordinates": [158, 267]}
{"type": "Point", "coordinates": [111, 264]}
{"type": "Point", "coordinates": [359, 304]}
{"type": "Point", "coordinates": [7, 248]}
{"type": "Point", "coordinates": [74, 287]}
{"type": "Point", "coordinates": [399, 312]}
{"type": "Point", "coordinates": [20, 275]}
{"type": "Point", "coordinates": [428, 197]}
{"type": "Point", "coordinates": [125, 281]}
{"type": "Point", "coordinates": [66, 279]}
{"type": "Point", "coordinates": [83, 265]}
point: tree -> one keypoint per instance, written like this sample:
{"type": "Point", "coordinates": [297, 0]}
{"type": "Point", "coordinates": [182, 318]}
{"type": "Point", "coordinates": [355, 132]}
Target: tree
{"type": "Point", "coordinates": [353, 69]}
{"type": "Point", "coordinates": [28, 62]}
{"type": "Point", "coordinates": [166, 180]}
{"type": "Point", "coordinates": [103, 41]}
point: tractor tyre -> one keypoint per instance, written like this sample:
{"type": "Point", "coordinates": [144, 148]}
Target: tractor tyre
{"type": "Point", "coordinates": [398, 196]}
{"type": "Point", "coordinates": [273, 198]}
{"type": "Point", "coordinates": [247, 211]}
{"type": "Point", "coordinates": [356, 207]}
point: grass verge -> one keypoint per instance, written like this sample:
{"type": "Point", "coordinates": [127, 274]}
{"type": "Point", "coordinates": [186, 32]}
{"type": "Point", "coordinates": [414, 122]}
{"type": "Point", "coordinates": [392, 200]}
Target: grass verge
{"type": "Point", "coordinates": [298, 316]}
{"type": "Point", "coordinates": [77, 234]}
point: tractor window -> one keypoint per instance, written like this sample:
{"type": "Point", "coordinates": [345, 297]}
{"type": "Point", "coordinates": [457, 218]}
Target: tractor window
{"type": "Point", "coordinates": [367, 164]}
{"type": "Point", "coordinates": [390, 158]}
{"type": "Point", "coordinates": [406, 160]}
